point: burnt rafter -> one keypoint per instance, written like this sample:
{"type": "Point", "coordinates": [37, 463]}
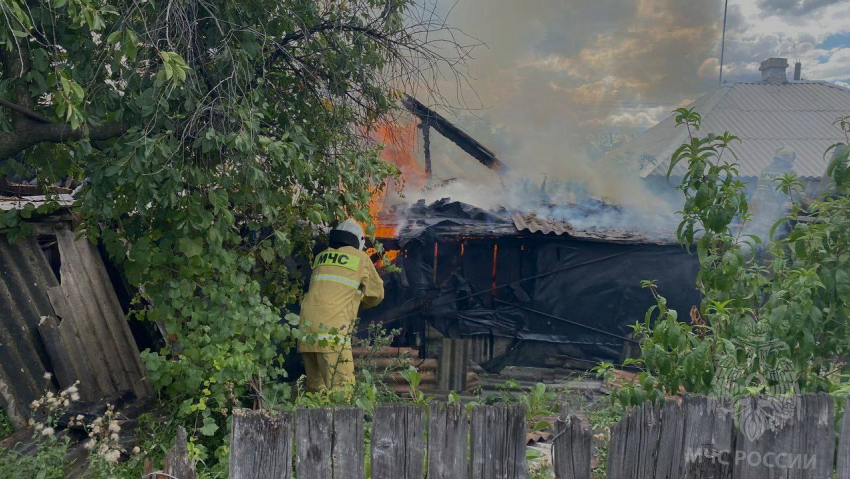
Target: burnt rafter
{"type": "Point", "coordinates": [431, 118]}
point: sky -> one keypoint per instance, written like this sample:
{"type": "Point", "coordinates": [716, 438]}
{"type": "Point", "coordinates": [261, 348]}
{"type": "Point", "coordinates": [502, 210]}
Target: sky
{"type": "Point", "coordinates": [554, 73]}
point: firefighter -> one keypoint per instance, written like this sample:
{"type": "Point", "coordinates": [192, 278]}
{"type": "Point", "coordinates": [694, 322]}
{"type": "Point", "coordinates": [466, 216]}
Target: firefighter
{"type": "Point", "coordinates": [343, 280]}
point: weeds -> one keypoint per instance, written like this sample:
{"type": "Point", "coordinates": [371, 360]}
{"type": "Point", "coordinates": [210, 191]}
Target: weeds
{"type": "Point", "coordinates": [6, 427]}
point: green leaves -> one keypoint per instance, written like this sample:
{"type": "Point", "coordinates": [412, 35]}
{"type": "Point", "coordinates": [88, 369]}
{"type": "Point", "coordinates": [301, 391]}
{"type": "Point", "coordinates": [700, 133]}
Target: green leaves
{"type": "Point", "coordinates": [174, 68]}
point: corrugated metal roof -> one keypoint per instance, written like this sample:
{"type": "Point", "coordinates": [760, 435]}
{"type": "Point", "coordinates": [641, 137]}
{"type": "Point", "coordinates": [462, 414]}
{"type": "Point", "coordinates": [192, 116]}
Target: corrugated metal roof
{"type": "Point", "coordinates": [90, 340]}
{"type": "Point", "coordinates": [23, 300]}
{"type": "Point", "coordinates": [535, 224]}
{"type": "Point", "coordinates": [766, 116]}
{"type": "Point", "coordinates": [16, 203]}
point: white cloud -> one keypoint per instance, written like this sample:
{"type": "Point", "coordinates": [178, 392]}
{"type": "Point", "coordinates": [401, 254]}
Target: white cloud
{"type": "Point", "coordinates": [835, 67]}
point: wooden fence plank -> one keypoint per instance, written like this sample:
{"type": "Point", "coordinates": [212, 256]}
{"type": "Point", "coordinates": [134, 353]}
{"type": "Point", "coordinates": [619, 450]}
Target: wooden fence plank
{"type": "Point", "coordinates": [313, 438]}
{"type": "Point", "coordinates": [649, 437]}
{"type": "Point", "coordinates": [819, 422]}
{"type": "Point", "coordinates": [616, 449]}
{"type": "Point", "coordinates": [447, 441]}
{"type": "Point", "coordinates": [398, 442]}
{"type": "Point", "coordinates": [486, 437]}
{"type": "Point", "coordinates": [177, 464]}
{"type": "Point", "coordinates": [571, 449]}
{"type": "Point", "coordinates": [261, 445]}
{"type": "Point", "coordinates": [497, 436]}
{"type": "Point", "coordinates": [670, 451]}
{"type": "Point", "coordinates": [513, 456]}
{"type": "Point", "coordinates": [707, 435]}
{"type": "Point", "coordinates": [843, 470]}
{"type": "Point", "coordinates": [631, 460]}
{"type": "Point", "coordinates": [348, 443]}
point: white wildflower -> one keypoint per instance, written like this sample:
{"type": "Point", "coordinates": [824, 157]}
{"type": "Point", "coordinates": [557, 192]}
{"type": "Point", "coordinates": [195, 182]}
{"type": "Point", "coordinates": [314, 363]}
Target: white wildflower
{"type": "Point", "coordinates": [112, 456]}
{"type": "Point", "coordinates": [48, 431]}
{"type": "Point", "coordinates": [114, 427]}
{"type": "Point", "coordinates": [75, 397]}
{"type": "Point", "coordinates": [136, 450]}
{"type": "Point", "coordinates": [114, 437]}
{"type": "Point", "coordinates": [48, 376]}
{"type": "Point", "coordinates": [80, 417]}
{"type": "Point", "coordinates": [90, 444]}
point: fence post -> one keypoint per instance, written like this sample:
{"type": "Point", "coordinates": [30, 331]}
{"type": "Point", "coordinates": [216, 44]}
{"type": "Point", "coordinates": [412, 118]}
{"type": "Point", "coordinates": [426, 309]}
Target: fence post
{"type": "Point", "coordinates": [313, 438]}
{"type": "Point", "coordinates": [260, 445]}
{"type": "Point", "coordinates": [177, 463]}
{"type": "Point", "coordinates": [708, 434]}
{"type": "Point", "coordinates": [670, 443]}
{"type": "Point", "coordinates": [498, 442]}
{"type": "Point", "coordinates": [348, 447]}
{"type": "Point", "coordinates": [447, 441]}
{"type": "Point", "coordinates": [649, 437]}
{"type": "Point", "coordinates": [843, 470]}
{"type": "Point", "coordinates": [398, 442]}
{"type": "Point", "coordinates": [571, 452]}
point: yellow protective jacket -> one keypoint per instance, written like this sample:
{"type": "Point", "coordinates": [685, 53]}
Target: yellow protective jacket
{"type": "Point", "coordinates": [342, 281]}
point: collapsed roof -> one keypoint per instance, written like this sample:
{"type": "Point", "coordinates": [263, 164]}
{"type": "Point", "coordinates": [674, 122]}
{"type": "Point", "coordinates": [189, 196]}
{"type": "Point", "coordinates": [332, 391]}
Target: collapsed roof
{"type": "Point", "coordinates": [447, 218]}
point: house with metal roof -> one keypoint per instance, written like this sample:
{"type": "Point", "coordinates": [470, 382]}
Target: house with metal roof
{"type": "Point", "coordinates": [765, 115]}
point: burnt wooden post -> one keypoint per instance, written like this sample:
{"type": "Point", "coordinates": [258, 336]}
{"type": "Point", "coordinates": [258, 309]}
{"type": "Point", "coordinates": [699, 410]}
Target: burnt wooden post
{"type": "Point", "coordinates": [843, 469]}
{"type": "Point", "coordinates": [447, 441]}
{"type": "Point", "coordinates": [707, 437]}
{"type": "Point", "coordinates": [571, 453]}
{"type": "Point", "coordinates": [426, 146]}
{"type": "Point", "coordinates": [453, 365]}
{"type": "Point", "coordinates": [348, 443]}
{"type": "Point", "coordinates": [177, 464]}
{"type": "Point", "coordinates": [398, 441]}
{"type": "Point", "coordinates": [498, 442]}
{"type": "Point", "coordinates": [670, 446]}
{"type": "Point", "coordinates": [313, 436]}
{"type": "Point", "coordinates": [261, 445]}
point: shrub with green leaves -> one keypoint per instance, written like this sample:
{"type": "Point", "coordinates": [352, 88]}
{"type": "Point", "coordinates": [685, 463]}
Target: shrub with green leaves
{"type": "Point", "coordinates": [775, 312]}
{"type": "Point", "coordinates": [214, 139]}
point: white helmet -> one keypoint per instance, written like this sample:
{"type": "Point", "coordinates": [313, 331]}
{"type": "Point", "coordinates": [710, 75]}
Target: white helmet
{"type": "Point", "coordinates": [354, 228]}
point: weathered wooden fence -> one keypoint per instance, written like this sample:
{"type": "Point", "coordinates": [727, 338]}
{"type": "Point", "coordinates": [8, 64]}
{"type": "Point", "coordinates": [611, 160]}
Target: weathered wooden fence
{"type": "Point", "coordinates": [700, 438]}
{"type": "Point", "coordinates": [441, 441]}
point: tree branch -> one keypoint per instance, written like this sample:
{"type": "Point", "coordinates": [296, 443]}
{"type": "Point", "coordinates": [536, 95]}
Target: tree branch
{"type": "Point", "coordinates": [14, 142]}
{"type": "Point", "coordinates": [24, 111]}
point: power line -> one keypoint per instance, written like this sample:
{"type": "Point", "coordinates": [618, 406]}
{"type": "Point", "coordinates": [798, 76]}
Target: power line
{"type": "Point", "coordinates": [723, 41]}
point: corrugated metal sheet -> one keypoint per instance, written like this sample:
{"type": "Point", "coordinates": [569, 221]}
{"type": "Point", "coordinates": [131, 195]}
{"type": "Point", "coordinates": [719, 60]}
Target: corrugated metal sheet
{"type": "Point", "coordinates": [14, 203]}
{"type": "Point", "coordinates": [91, 340]}
{"type": "Point", "coordinates": [23, 300]}
{"type": "Point", "coordinates": [535, 224]}
{"type": "Point", "coordinates": [798, 115]}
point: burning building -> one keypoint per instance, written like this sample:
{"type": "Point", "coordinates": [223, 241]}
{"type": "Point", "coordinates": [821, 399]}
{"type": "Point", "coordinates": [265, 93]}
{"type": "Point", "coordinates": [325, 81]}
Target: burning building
{"type": "Point", "coordinates": [546, 286]}
{"type": "Point", "coordinates": [526, 290]}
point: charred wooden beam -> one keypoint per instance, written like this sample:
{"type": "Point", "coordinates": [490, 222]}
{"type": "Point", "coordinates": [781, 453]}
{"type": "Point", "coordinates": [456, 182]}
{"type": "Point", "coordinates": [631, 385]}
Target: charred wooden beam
{"type": "Point", "coordinates": [429, 117]}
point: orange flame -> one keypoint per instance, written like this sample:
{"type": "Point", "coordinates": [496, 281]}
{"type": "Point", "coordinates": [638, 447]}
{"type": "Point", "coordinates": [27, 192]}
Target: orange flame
{"type": "Point", "coordinates": [399, 142]}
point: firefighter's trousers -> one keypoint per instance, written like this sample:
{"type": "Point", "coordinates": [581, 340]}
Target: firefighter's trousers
{"type": "Point", "coordinates": [328, 370]}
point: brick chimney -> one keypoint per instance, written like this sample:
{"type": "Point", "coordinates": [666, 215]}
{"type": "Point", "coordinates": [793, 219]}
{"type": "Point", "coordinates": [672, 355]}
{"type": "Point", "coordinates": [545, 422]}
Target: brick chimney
{"type": "Point", "coordinates": [773, 70]}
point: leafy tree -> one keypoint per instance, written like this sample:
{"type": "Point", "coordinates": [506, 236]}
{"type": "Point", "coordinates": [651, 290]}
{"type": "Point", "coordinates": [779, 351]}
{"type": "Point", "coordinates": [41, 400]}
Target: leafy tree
{"type": "Point", "coordinates": [213, 137]}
